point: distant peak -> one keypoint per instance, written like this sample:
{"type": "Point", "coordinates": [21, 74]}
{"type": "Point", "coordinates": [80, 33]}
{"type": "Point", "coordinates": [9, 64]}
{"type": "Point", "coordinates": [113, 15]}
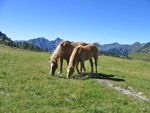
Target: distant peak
{"type": "Point", "coordinates": [137, 42]}
{"type": "Point", "coordinates": [40, 38]}
{"type": "Point", "coordinates": [58, 38]}
{"type": "Point", "coordinates": [147, 44]}
{"type": "Point", "coordinates": [116, 43]}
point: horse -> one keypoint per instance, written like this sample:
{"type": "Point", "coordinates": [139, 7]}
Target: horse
{"type": "Point", "coordinates": [80, 54]}
{"type": "Point", "coordinates": [63, 51]}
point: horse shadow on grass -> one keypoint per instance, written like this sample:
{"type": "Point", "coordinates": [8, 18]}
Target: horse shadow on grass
{"type": "Point", "coordinates": [87, 76]}
{"type": "Point", "coordinates": [103, 76]}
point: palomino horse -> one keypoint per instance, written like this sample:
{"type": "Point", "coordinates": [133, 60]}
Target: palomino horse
{"type": "Point", "coordinates": [80, 54]}
{"type": "Point", "coordinates": [63, 51]}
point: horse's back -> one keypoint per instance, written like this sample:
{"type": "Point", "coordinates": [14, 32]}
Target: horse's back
{"type": "Point", "coordinates": [86, 52]}
{"type": "Point", "coordinates": [75, 44]}
{"type": "Point", "coordinates": [91, 47]}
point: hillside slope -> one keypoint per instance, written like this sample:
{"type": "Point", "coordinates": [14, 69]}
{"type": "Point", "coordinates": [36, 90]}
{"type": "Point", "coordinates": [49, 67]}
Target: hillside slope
{"type": "Point", "coordinates": [25, 85]}
{"type": "Point", "coordinates": [2, 34]}
{"type": "Point", "coordinates": [140, 56]}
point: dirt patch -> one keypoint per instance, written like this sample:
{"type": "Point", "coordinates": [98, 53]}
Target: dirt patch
{"type": "Point", "coordinates": [129, 91]}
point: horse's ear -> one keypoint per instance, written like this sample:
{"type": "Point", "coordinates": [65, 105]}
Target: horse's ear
{"type": "Point", "coordinates": [66, 43]}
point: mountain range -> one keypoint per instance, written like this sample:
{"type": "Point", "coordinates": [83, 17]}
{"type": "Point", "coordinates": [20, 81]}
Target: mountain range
{"type": "Point", "coordinates": [45, 43]}
{"type": "Point", "coordinates": [121, 48]}
{"type": "Point", "coordinates": [145, 48]}
{"type": "Point", "coordinates": [113, 47]}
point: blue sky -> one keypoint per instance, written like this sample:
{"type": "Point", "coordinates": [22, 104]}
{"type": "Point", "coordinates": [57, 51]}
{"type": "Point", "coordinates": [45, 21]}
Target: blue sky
{"type": "Point", "coordinates": [103, 21]}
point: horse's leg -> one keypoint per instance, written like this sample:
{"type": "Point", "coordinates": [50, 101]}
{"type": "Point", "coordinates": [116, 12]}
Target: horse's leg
{"type": "Point", "coordinates": [82, 68]}
{"type": "Point", "coordinates": [61, 64]}
{"type": "Point", "coordinates": [91, 62]}
{"type": "Point", "coordinates": [96, 59]}
{"type": "Point", "coordinates": [77, 68]}
{"type": "Point", "coordinates": [67, 62]}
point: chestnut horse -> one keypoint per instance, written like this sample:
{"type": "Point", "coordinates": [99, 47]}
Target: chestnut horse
{"type": "Point", "coordinates": [80, 54]}
{"type": "Point", "coordinates": [63, 51]}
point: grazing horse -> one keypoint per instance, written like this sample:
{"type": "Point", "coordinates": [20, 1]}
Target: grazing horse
{"type": "Point", "coordinates": [63, 51]}
{"type": "Point", "coordinates": [80, 54]}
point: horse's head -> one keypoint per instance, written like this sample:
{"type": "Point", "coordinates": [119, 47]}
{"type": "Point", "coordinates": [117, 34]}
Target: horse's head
{"type": "Point", "coordinates": [70, 71]}
{"type": "Point", "coordinates": [53, 66]}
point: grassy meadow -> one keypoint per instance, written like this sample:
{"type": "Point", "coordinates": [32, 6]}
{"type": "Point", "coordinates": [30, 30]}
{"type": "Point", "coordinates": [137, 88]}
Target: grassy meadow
{"type": "Point", "coordinates": [25, 85]}
{"type": "Point", "coordinates": [140, 56]}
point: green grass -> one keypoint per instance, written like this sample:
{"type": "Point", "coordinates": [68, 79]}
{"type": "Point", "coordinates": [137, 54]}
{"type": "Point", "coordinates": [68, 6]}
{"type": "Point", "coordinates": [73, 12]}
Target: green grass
{"type": "Point", "coordinates": [25, 85]}
{"type": "Point", "coordinates": [140, 56]}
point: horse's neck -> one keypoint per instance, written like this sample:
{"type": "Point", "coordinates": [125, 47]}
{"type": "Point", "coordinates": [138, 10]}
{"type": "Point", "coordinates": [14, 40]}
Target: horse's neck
{"type": "Point", "coordinates": [57, 53]}
{"type": "Point", "coordinates": [55, 57]}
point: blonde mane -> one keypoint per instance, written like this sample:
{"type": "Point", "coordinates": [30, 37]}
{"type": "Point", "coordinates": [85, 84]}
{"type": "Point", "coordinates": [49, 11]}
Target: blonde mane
{"type": "Point", "coordinates": [58, 52]}
{"type": "Point", "coordinates": [73, 56]}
